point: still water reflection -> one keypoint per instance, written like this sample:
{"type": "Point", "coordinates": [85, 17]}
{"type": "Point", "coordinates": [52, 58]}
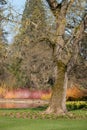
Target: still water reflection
{"type": "Point", "coordinates": [20, 103]}
{"type": "Point", "coordinates": [16, 105]}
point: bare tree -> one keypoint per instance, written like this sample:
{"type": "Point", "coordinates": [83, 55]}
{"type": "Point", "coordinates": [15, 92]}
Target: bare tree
{"type": "Point", "coordinates": [64, 61]}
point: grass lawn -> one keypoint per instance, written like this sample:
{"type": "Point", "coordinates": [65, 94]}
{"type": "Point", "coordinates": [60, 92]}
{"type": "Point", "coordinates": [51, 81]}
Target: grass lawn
{"type": "Point", "coordinates": [17, 119]}
{"type": "Point", "coordinates": [8, 123]}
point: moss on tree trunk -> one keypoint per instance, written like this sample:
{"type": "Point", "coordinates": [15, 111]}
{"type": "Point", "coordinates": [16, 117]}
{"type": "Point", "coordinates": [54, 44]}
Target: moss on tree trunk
{"type": "Point", "coordinates": [58, 100]}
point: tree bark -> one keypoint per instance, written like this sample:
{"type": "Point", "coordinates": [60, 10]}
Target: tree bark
{"type": "Point", "coordinates": [57, 103]}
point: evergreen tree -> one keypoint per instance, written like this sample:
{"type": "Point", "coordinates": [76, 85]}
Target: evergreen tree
{"type": "Point", "coordinates": [35, 67]}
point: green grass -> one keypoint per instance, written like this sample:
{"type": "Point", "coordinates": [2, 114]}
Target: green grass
{"type": "Point", "coordinates": [9, 120]}
{"type": "Point", "coordinates": [36, 113]}
{"type": "Point", "coordinates": [7, 123]}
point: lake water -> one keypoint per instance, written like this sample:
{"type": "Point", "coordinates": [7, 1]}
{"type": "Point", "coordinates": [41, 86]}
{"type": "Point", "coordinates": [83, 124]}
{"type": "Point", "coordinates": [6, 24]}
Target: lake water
{"type": "Point", "coordinates": [16, 105]}
{"type": "Point", "coordinates": [21, 103]}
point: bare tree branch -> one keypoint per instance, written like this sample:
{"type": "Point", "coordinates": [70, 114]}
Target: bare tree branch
{"type": "Point", "coordinates": [76, 38]}
{"type": "Point", "coordinates": [53, 4]}
{"type": "Point", "coordinates": [56, 7]}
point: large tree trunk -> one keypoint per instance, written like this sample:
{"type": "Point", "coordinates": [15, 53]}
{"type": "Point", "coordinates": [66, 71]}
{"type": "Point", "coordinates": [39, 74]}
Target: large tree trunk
{"type": "Point", "coordinates": [58, 100]}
